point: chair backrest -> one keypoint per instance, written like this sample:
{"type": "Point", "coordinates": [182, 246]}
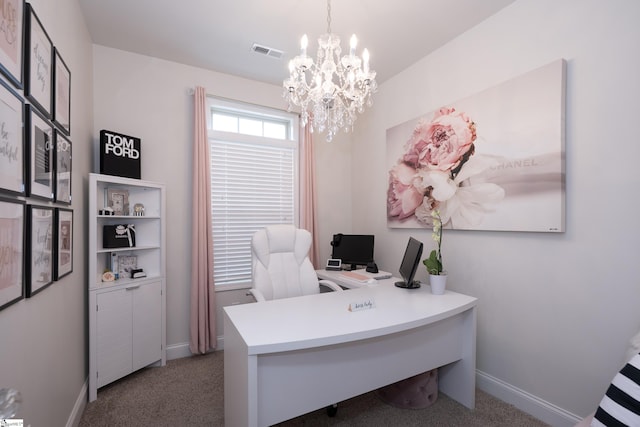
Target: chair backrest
{"type": "Point", "coordinates": [280, 264]}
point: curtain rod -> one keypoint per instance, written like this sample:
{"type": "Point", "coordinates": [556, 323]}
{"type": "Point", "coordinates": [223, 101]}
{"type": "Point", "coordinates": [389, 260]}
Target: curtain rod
{"type": "Point", "coordinates": [192, 91]}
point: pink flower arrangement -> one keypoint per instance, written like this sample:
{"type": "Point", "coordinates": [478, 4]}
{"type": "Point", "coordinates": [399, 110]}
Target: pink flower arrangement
{"type": "Point", "coordinates": [443, 143]}
{"type": "Point", "coordinates": [429, 175]}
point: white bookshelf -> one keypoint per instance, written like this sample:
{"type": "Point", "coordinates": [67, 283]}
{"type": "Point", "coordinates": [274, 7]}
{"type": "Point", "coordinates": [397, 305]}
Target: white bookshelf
{"type": "Point", "coordinates": [127, 316]}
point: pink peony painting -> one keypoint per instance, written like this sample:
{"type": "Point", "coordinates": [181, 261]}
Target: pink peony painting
{"type": "Point", "coordinates": [493, 161]}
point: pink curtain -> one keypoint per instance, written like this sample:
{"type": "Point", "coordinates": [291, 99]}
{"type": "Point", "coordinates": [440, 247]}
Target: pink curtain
{"type": "Point", "coordinates": [308, 192]}
{"type": "Point", "coordinates": [203, 301]}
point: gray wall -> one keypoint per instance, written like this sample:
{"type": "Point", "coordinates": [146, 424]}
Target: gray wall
{"type": "Point", "coordinates": [556, 311]}
{"type": "Point", "coordinates": [43, 339]}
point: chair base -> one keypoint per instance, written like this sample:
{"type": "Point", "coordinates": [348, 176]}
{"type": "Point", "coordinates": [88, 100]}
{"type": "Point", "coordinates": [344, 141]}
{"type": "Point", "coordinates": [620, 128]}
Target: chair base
{"type": "Point", "coordinates": [332, 410]}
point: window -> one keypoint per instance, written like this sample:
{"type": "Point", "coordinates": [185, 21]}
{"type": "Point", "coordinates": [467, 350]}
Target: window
{"type": "Point", "coordinates": [254, 182]}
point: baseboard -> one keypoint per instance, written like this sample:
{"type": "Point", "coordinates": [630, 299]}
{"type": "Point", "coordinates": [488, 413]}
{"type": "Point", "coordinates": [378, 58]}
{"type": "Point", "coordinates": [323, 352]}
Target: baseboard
{"type": "Point", "coordinates": [526, 402]}
{"type": "Point", "coordinates": [78, 407]}
{"type": "Point", "coordinates": [178, 351]}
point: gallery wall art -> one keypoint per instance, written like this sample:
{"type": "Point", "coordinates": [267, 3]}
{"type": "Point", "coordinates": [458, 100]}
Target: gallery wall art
{"type": "Point", "coordinates": [35, 157]}
{"type": "Point", "coordinates": [41, 164]}
{"type": "Point", "coordinates": [12, 229]}
{"type": "Point", "coordinates": [63, 168]}
{"type": "Point", "coordinates": [62, 93]}
{"type": "Point", "coordinates": [492, 161]}
{"type": "Point", "coordinates": [39, 256]}
{"type": "Point", "coordinates": [12, 172]}
{"type": "Point", "coordinates": [63, 254]}
{"type": "Point", "coordinates": [11, 39]}
{"type": "Point", "coordinates": [37, 65]}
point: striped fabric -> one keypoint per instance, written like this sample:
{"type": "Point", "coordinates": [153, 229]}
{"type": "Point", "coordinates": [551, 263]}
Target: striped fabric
{"type": "Point", "coordinates": [621, 404]}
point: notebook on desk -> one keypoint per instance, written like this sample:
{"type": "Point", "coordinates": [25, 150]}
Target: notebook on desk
{"type": "Point", "coordinates": [380, 275]}
{"type": "Point", "coordinates": [362, 275]}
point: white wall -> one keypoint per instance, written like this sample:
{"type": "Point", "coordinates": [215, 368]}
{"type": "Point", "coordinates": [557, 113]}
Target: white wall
{"type": "Point", "coordinates": [556, 311]}
{"type": "Point", "coordinates": [149, 98]}
{"type": "Point", "coordinates": [43, 338]}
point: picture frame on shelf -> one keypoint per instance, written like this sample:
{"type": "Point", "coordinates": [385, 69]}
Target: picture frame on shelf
{"type": "Point", "coordinates": [63, 254]}
{"type": "Point", "coordinates": [41, 157]}
{"type": "Point", "coordinates": [38, 63]}
{"type": "Point", "coordinates": [12, 141]}
{"type": "Point", "coordinates": [61, 93]}
{"type": "Point", "coordinates": [39, 248]}
{"type": "Point", "coordinates": [12, 241]}
{"type": "Point", "coordinates": [118, 200]}
{"type": "Point", "coordinates": [11, 43]}
{"type": "Point", "coordinates": [126, 263]}
{"type": "Point", "coordinates": [63, 157]}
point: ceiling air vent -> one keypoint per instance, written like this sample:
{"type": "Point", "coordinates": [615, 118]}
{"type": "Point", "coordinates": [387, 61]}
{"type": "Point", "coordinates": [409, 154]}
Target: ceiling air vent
{"type": "Point", "coordinates": [264, 50]}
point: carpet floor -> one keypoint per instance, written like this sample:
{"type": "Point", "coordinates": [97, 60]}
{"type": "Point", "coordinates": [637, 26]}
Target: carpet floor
{"type": "Point", "coordinates": [189, 392]}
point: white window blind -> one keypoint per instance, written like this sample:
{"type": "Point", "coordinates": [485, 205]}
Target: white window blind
{"type": "Point", "coordinates": [252, 185]}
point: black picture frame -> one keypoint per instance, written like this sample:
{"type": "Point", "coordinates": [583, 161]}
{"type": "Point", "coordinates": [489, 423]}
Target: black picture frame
{"type": "Point", "coordinates": [41, 158]}
{"type": "Point", "coordinates": [39, 245]}
{"type": "Point", "coordinates": [61, 93]}
{"type": "Point", "coordinates": [63, 162]}
{"type": "Point", "coordinates": [12, 141]}
{"type": "Point", "coordinates": [12, 246]}
{"type": "Point", "coordinates": [63, 254]}
{"type": "Point", "coordinates": [38, 63]}
{"type": "Point", "coordinates": [12, 41]}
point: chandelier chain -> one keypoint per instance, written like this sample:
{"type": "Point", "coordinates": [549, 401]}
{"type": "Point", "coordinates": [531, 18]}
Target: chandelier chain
{"type": "Point", "coordinates": [328, 16]}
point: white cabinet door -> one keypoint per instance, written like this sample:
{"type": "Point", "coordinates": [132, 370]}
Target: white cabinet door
{"type": "Point", "coordinates": [147, 325]}
{"type": "Point", "coordinates": [129, 330]}
{"type": "Point", "coordinates": [114, 335]}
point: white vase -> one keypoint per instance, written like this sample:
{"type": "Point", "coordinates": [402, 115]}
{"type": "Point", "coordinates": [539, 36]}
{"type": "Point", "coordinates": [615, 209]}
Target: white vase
{"type": "Point", "coordinates": [438, 283]}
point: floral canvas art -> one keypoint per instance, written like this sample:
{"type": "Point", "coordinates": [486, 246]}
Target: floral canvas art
{"type": "Point", "coordinates": [493, 161]}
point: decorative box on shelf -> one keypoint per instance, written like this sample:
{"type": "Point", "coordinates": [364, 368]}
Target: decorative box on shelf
{"type": "Point", "coordinates": [119, 154]}
{"type": "Point", "coordinates": [119, 236]}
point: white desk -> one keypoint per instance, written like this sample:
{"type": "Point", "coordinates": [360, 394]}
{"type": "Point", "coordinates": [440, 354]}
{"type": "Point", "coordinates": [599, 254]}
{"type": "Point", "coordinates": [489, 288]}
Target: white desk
{"type": "Point", "coordinates": [288, 357]}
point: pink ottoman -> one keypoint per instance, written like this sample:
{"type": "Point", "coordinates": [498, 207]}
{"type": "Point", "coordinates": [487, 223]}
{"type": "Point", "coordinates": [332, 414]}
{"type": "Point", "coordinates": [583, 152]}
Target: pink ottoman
{"type": "Point", "coordinates": [417, 392]}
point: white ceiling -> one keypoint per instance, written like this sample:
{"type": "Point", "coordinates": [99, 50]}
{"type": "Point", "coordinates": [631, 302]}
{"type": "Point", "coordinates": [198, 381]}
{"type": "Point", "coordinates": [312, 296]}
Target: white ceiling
{"type": "Point", "coordinates": [218, 35]}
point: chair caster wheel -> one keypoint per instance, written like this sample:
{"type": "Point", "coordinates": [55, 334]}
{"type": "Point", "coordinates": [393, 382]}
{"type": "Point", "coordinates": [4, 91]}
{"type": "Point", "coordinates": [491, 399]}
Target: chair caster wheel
{"type": "Point", "coordinates": [332, 410]}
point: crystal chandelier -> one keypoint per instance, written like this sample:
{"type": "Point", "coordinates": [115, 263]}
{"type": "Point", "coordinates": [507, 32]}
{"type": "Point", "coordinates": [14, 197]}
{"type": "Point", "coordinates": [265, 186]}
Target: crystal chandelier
{"type": "Point", "coordinates": [331, 90]}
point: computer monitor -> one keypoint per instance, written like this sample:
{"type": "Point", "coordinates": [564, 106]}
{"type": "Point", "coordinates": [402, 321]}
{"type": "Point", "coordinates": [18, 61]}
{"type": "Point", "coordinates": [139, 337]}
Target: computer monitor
{"type": "Point", "coordinates": [410, 263]}
{"type": "Point", "coordinates": [353, 249]}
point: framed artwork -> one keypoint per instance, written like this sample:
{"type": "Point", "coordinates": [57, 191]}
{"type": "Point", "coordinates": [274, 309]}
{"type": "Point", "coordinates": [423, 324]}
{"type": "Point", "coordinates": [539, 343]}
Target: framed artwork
{"type": "Point", "coordinates": [63, 168]}
{"type": "Point", "coordinates": [12, 146]}
{"type": "Point", "coordinates": [12, 229]}
{"type": "Point", "coordinates": [492, 161]}
{"type": "Point", "coordinates": [118, 200]}
{"type": "Point", "coordinates": [63, 255]}
{"type": "Point", "coordinates": [39, 248]}
{"type": "Point", "coordinates": [11, 40]}
{"type": "Point", "coordinates": [40, 143]}
{"type": "Point", "coordinates": [61, 93]}
{"type": "Point", "coordinates": [126, 263]}
{"type": "Point", "coordinates": [38, 61]}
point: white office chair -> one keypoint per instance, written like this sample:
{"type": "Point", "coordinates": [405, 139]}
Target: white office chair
{"type": "Point", "coordinates": [281, 267]}
{"type": "Point", "coordinates": [280, 264]}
